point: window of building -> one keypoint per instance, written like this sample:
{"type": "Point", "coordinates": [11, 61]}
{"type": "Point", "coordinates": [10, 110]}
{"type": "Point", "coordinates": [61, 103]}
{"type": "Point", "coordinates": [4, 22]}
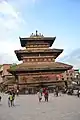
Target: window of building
{"type": "Point", "coordinates": [70, 74]}
{"type": "Point", "coordinates": [32, 60]}
{"type": "Point", "coordinates": [62, 78]}
{"type": "Point", "coordinates": [36, 59]}
{"type": "Point", "coordinates": [67, 78]}
{"type": "Point", "coordinates": [27, 59]}
{"type": "Point", "coordinates": [71, 78]}
{"type": "Point", "coordinates": [67, 74]}
{"type": "Point", "coordinates": [45, 59]}
{"type": "Point", "coordinates": [49, 59]}
{"type": "Point", "coordinates": [56, 78]}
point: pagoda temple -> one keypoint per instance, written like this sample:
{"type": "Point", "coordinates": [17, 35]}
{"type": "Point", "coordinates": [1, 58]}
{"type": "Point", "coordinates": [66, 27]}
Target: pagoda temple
{"type": "Point", "coordinates": [38, 67]}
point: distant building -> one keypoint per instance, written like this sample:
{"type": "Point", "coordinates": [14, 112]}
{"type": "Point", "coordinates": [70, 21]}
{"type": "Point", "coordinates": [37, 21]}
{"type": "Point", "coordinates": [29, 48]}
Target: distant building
{"type": "Point", "coordinates": [6, 78]}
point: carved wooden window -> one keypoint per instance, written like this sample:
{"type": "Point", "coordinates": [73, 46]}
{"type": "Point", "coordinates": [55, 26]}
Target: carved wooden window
{"type": "Point", "coordinates": [49, 59]}
{"type": "Point", "coordinates": [28, 60]}
{"type": "Point", "coordinates": [70, 74]}
{"type": "Point", "coordinates": [36, 59]}
{"type": "Point", "coordinates": [32, 60]}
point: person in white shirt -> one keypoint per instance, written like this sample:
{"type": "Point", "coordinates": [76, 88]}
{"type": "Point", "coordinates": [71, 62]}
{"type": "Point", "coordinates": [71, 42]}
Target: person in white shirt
{"type": "Point", "coordinates": [39, 96]}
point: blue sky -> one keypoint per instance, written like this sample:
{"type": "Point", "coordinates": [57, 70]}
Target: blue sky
{"type": "Point", "coordinates": [60, 18]}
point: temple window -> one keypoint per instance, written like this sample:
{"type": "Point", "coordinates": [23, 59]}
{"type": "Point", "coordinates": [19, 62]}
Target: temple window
{"type": "Point", "coordinates": [36, 59]}
{"type": "Point", "coordinates": [32, 60]}
{"type": "Point", "coordinates": [35, 45]}
{"type": "Point", "coordinates": [67, 74]}
{"type": "Point", "coordinates": [49, 59]}
{"type": "Point", "coordinates": [45, 59]}
{"type": "Point", "coordinates": [28, 60]}
{"type": "Point", "coordinates": [40, 60]}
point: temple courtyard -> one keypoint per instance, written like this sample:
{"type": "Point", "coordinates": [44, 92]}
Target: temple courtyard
{"type": "Point", "coordinates": [27, 107]}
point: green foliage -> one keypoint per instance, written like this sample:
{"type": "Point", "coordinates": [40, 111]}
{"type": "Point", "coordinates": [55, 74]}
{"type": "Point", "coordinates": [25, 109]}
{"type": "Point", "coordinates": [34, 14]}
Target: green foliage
{"type": "Point", "coordinates": [13, 66]}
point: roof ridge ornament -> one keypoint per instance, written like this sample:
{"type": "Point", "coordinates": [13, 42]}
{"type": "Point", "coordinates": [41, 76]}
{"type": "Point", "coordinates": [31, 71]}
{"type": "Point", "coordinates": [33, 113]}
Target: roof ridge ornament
{"type": "Point", "coordinates": [36, 35]}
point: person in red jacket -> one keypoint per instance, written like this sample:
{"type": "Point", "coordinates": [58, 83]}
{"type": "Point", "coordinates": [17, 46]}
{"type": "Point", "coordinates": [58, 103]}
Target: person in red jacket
{"type": "Point", "coordinates": [46, 95]}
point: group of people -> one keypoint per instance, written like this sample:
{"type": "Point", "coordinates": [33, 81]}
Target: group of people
{"type": "Point", "coordinates": [43, 92]}
{"type": "Point", "coordinates": [11, 97]}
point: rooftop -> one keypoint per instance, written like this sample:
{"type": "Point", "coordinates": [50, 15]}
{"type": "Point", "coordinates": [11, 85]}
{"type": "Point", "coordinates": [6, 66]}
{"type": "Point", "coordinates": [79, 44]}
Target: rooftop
{"type": "Point", "coordinates": [36, 37]}
{"type": "Point", "coordinates": [54, 52]}
{"type": "Point", "coordinates": [41, 66]}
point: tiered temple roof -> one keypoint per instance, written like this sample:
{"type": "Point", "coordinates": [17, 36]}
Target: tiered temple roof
{"type": "Point", "coordinates": [41, 66]}
{"type": "Point", "coordinates": [37, 56]}
{"type": "Point", "coordinates": [55, 52]}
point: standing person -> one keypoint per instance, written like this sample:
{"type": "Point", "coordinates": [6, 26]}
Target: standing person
{"type": "Point", "coordinates": [41, 91]}
{"type": "Point", "coordinates": [54, 92]}
{"type": "Point", "coordinates": [13, 98]}
{"type": "Point", "coordinates": [39, 96]}
{"type": "Point", "coordinates": [0, 98]}
{"type": "Point", "coordinates": [78, 92]}
{"type": "Point", "coordinates": [57, 91]}
{"type": "Point", "coordinates": [17, 92]}
{"type": "Point", "coordinates": [46, 95]}
{"type": "Point", "coordinates": [10, 100]}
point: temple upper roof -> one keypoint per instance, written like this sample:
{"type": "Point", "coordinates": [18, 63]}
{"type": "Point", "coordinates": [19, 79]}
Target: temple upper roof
{"type": "Point", "coordinates": [37, 38]}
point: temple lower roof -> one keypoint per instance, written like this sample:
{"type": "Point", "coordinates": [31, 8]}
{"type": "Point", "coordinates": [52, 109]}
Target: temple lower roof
{"type": "Point", "coordinates": [39, 67]}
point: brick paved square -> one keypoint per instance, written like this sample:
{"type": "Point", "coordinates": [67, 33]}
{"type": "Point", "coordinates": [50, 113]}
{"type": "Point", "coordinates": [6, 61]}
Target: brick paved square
{"type": "Point", "coordinates": [27, 107]}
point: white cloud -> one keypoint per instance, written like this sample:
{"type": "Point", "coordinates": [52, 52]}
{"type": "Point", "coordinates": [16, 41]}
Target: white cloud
{"type": "Point", "coordinates": [9, 17]}
{"type": "Point", "coordinates": [7, 9]}
{"type": "Point", "coordinates": [11, 24]}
